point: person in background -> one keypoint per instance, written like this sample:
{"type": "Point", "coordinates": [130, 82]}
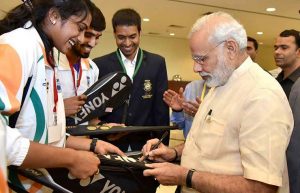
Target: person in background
{"type": "Point", "coordinates": [185, 104]}
{"type": "Point", "coordinates": [238, 139]}
{"type": "Point", "coordinates": [149, 76]}
{"type": "Point", "coordinates": [76, 71]}
{"type": "Point", "coordinates": [287, 57]}
{"type": "Point", "coordinates": [34, 92]}
{"type": "Point", "coordinates": [252, 47]}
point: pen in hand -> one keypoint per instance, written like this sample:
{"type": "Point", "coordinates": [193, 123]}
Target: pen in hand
{"type": "Point", "coordinates": [155, 146]}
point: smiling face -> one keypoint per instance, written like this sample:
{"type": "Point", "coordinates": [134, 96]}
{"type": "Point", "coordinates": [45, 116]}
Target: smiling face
{"type": "Point", "coordinates": [91, 38]}
{"type": "Point", "coordinates": [127, 40]}
{"type": "Point", "coordinates": [67, 33]}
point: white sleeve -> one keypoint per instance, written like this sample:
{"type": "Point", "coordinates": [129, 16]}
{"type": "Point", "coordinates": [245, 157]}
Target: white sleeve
{"type": "Point", "coordinates": [16, 147]}
{"type": "Point", "coordinates": [94, 70]}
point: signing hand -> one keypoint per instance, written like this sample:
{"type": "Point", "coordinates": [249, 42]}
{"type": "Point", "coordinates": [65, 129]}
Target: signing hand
{"type": "Point", "coordinates": [74, 104]}
{"type": "Point", "coordinates": [161, 154]}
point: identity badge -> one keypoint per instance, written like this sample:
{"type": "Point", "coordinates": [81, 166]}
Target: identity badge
{"type": "Point", "coordinates": [54, 133]}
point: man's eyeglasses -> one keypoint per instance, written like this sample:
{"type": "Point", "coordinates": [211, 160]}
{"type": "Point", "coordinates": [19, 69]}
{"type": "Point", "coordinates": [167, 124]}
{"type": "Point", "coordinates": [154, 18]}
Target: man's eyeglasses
{"type": "Point", "coordinates": [200, 59]}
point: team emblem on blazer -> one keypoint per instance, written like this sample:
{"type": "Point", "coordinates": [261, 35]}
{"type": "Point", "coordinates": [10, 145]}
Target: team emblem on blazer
{"type": "Point", "coordinates": [147, 89]}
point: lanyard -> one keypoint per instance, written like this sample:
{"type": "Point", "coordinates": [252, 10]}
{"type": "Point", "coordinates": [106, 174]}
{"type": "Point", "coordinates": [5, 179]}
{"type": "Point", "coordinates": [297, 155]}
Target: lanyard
{"type": "Point", "coordinates": [76, 83]}
{"type": "Point", "coordinates": [203, 92]}
{"type": "Point", "coordinates": [55, 81]}
{"type": "Point", "coordinates": [55, 92]}
{"type": "Point", "coordinates": [140, 57]}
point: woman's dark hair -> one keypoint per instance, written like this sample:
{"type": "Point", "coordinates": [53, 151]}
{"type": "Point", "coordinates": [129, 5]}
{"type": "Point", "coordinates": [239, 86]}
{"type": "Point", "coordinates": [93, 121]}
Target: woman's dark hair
{"type": "Point", "coordinates": [128, 17]}
{"type": "Point", "coordinates": [36, 11]}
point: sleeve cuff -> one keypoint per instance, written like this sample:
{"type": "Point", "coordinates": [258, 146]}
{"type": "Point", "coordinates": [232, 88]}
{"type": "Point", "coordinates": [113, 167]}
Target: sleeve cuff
{"type": "Point", "coordinates": [263, 177]}
{"type": "Point", "coordinates": [16, 147]}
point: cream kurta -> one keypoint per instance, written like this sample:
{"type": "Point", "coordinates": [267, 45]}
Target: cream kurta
{"type": "Point", "coordinates": [247, 131]}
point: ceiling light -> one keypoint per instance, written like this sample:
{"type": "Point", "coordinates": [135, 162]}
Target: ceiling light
{"type": "Point", "coordinates": [172, 34]}
{"type": "Point", "coordinates": [259, 33]}
{"type": "Point", "coordinates": [260, 43]}
{"type": "Point", "coordinates": [271, 9]}
{"type": "Point", "coordinates": [146, 19]}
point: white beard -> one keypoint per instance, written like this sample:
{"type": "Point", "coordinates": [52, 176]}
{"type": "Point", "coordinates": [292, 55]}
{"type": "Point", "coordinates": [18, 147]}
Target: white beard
{"type": "Point", "coordinates": [221, 73]}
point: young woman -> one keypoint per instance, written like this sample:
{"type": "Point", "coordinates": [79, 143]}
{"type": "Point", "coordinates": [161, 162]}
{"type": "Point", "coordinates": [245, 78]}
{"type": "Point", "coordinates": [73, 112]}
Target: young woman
{"type": "Point", "coordinates": [29, 84]}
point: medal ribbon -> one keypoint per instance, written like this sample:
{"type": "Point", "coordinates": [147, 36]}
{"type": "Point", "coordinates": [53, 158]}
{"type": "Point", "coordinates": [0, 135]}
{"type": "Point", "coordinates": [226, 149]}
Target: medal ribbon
{"type": "Point", "coordinates": [137, 67]}
{"type": "Point", "coordinates": [55, 92]}
{"type": "Point", "coordinates": [50, 60]}
{"type": "Point", "coordinates": [76, 83]}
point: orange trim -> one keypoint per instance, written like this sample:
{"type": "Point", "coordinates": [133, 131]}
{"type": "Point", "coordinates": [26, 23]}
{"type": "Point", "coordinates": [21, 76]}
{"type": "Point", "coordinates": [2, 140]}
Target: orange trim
{"type": "Point", "coordinates": [11, 74]}
{"type": "Point", "coordinates": [86, 62]}
{"type": "Point", "coordinates": [22, 178]}
{"type": "Point", "coordinates": [35, 187]}
{"type": "Point", "coordinates": [3, 184]}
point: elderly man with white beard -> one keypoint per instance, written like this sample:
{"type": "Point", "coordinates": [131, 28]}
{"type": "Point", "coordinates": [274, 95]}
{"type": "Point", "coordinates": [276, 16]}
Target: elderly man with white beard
{"type": "Point", "coordinates": [240, 133]}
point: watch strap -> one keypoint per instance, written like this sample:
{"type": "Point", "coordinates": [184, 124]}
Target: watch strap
{"type": "Point", "coordinates": [93, 145]}
{"type": "Point", "coordinates": [189, 178]}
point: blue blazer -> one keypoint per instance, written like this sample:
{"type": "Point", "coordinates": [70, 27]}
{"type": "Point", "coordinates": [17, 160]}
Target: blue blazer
{"type": "Point", "coordinates": [146, 105]}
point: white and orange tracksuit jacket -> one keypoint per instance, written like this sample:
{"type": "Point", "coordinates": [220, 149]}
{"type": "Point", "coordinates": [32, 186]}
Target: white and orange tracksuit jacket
{"type": "Point", "coordinates": [22, 57]}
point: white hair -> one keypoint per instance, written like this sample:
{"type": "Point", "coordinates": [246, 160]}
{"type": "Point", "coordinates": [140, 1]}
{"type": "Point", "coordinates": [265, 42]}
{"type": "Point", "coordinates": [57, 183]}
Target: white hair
{"type": "Point", "coordinates": [225, 27]}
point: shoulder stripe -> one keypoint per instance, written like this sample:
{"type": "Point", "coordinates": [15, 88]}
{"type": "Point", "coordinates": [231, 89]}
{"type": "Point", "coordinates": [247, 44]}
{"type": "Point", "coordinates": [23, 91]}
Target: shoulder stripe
{"type": "Point", "coordinates": [42, 57]}
{"type": "Point", "coordinates": [40, 115]}
{"type": "Point", "coordinates": [11, 74]}
{"type": "Point", "coordinates": [2, 105]}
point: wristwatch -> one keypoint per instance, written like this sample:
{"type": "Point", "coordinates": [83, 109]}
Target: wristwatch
{"type": "Point", "coordinates": [93, 145]}
{"type": "Point", "coordinates": [189, 178]}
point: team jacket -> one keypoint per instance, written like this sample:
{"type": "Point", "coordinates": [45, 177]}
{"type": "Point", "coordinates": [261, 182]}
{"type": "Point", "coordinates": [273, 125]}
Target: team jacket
{"type": "Point", "coordinates": [24, 67]}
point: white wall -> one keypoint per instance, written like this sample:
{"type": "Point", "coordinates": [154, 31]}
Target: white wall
{"type": "Point", "coordinates": [176, 53]}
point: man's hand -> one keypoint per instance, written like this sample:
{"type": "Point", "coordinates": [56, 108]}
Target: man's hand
{"type": "Point", "coordinates": [167, 173]}
{"type": "Point", "coordinates": [103, 147]}
{"type": "Point", "coordinates": [74, 104]}
{"type": "Point", "coordinates": [84, 164]}
{"type": "Point", "coordinates": [191, 107]}
{"type": "Point", "coordinates": [161, 154]}
{"type": "Point", "coordinates": [174, 99]}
